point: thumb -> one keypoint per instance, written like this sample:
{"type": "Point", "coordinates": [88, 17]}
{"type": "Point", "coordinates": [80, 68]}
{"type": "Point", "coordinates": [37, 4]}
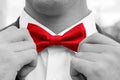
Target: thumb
{"type": "Point", "coordinates": [27, 69]}
{"type": "Point", "coordinates": [82, 66]}
{"type": "Point", "coordinates": [27, 61]}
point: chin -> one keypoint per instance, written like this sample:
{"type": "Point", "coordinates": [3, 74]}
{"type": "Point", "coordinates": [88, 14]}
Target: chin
{"type": "Point", "coordinates": [53, 7]}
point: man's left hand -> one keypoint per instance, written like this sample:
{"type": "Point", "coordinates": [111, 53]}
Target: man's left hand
{"type": "Point", "coordinates": [98, 59]}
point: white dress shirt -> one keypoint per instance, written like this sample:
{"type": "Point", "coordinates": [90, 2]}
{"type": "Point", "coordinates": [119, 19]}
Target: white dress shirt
{"type": "Point", "coordinates": [54, 61]}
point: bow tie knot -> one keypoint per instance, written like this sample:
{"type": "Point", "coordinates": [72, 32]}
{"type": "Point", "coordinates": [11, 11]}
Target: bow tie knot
{"type": "Point", "coordinates": [55, 40]}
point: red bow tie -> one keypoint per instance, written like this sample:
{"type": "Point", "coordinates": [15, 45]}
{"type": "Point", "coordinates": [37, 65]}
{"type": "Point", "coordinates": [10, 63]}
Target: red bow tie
{"type": "Point", "coordinates": [70, 39]}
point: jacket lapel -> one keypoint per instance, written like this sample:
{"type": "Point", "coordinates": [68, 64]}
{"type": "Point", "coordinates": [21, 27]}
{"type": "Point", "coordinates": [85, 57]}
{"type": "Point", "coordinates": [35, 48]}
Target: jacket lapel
{"type": "Point", "coordinates": [16, 23]}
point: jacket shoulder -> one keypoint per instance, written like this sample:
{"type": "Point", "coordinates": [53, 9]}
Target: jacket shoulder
{"type": "Point", "coordinates": [16, 24]}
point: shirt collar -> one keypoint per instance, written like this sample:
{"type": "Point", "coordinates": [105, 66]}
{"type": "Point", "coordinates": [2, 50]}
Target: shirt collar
{"type": "Point", "coordinates": [88, 21]}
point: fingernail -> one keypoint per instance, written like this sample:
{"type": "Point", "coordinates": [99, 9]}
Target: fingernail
{"type": "Point", "coordinates": [78, 54]}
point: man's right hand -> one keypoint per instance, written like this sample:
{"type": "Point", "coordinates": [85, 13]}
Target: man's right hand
{"type": "Point", "coordinates": [18, 54]}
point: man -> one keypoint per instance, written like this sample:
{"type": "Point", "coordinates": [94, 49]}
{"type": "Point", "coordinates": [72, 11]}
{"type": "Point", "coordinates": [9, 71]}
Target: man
{"type": "Point", "coordinates": [60, 17]}
{"type": "Point", "coordinates": [57, 17]}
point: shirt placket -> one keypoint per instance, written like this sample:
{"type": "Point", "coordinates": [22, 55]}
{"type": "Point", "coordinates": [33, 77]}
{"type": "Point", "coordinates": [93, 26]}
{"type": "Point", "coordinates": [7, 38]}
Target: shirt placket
{"type": "Point", "coordinates": [58, 67]}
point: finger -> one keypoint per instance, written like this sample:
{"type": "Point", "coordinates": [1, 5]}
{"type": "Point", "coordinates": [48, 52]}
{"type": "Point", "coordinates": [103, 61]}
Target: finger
{"type": "Point", "coordinates": [75, 78]}
{"type": "Point", "coordinates": [8, 28]}
{"type": "Point", "coordinates": [17, 35]}
{"type": "Point", "coordinates": [73, 72]}
{"type": "Point", "coordinates": [79, 77]}
{"type": "Point", "coordinates": [22, 46]}
{"type": "Point", "coordinates": [86, 47]}
{"type": "Point", "coordinates": [100, 39]}
{"type": "Point", "coordinates": [82, 66]}
{"type": "Point", "coordinates": [27, 69]}
{"type": "Point", "coordinates": [89, 56]}
{"type": "Point", "coordinates": [26, 57]}
{"type": "Point", "coordinates": [27, 62]}
{"type": "Point", "coordinates": [5, 30]}
{"type": "Point", "coordinates": [76, 75]}
{"type": "Point", "coordinates": [99, 60]}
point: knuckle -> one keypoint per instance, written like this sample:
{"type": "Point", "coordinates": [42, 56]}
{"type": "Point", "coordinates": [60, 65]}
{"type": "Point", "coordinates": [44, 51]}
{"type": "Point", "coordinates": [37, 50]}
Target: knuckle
{"type": "Point", "coordinates": [25, 31]}
{"type": "Point", "coordinates": [95, 35]}
{"type": "Point", "coordinates": [3, 39]}
{"type": "Point", "coordinates": [21, 32]}
{"type": "Point", "coordinates": [99, 70]}
{"type": "Point", "coordinates": [113, 59]}
{"type": "Point", "coordinates": [82, 47]}
{"type": "Point", "coordinates": [33, 45]}
{"type": "Point", "coordinates": [26, 34]}
{"type": "Point", "coordinates": [33, 54]}
{"type": "Point", "coordinates": [7, 57]}
{"type": "Point", "coordinates": [109, 60]}
{"type": "Point", "coordinates": [117, 50]}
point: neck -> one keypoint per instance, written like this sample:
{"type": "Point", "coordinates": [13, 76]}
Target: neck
{"type": "Point", "coordinates": [58, 23]}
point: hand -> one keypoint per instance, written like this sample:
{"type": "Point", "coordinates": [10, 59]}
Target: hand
{"type": "Point", "coordinates": [17, 54]}
{"type": "Point", "coordinates": [98, 59]}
